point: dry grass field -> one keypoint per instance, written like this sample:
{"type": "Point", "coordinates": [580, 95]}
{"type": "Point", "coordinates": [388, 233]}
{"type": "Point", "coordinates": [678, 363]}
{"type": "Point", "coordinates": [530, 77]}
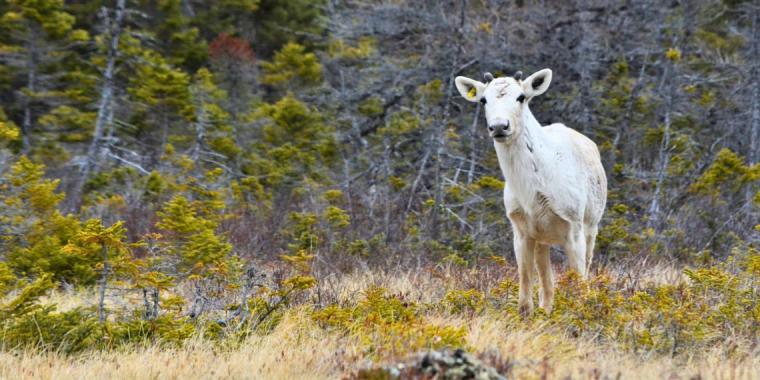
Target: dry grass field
{"type": "Point", "coordinates": [296, 350]}
{"type": "Point", "coordinates": [299, 347]}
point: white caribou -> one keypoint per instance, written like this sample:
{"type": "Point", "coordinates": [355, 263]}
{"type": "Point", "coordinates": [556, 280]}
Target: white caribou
{"type": "Point", "coordinates": [556, 188]}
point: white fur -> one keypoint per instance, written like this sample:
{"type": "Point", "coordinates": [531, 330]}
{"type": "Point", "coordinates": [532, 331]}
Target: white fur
{"type": "Point", "coordinates": [556, 188]}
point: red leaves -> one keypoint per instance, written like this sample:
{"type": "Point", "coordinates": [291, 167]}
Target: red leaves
{"type": "Point", "coordinates": [225, 46]}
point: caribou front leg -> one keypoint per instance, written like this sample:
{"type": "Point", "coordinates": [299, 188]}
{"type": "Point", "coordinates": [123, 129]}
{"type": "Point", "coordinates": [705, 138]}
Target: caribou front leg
{"type": "Point", "coordinates": [524, 252]}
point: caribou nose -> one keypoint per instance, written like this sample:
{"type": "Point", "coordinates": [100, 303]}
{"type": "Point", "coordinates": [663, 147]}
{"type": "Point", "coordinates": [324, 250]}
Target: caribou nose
{"type": "Point", "coordinates": [499, 127]}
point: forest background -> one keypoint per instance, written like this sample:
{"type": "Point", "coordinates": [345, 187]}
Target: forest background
{"type": "Point", "coordinates": [175, 170]}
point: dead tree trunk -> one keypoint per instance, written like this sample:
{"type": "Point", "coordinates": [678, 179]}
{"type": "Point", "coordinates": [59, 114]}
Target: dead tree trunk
{"type": "Point", "coordinates": [664, 152]}
{"type": "Point", "coordinates": [440, 138]}
{"type": "Point", "coordinates": [200, 125]}
{"type": "Point", "coordinates": [103, 282]}
{"type": "Point", "coordinates": [754, 145]}
{"type": "Point", "coordinates": [105, 111]}
{"type": "Point", "coordinates": [626, 121]}
{"type": "Point", "coordinates": [31, 85]}
{"type": "Point", "coordinates": [472, 155]}
{"type": "Point", "coordinates": [152, 303]}
{"type": "Point", "coordinates": [387, 195]}
{"type": "Point", "coordinates": [586, 58]}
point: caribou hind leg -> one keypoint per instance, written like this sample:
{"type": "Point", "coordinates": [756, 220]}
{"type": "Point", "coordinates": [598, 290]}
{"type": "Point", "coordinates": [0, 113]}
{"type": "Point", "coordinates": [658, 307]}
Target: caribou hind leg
{"type": "Point", "coordinates": [590, 242]}
{"type": "Point", "coordinates": [575, 249]}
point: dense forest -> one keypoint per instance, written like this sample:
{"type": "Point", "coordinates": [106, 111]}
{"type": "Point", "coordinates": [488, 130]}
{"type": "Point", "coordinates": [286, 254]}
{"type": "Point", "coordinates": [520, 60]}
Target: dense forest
{"type": "Point", "coordinates": [202, 166]}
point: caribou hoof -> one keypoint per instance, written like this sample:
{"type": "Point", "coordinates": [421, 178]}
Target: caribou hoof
{"type": "Point", "coordinates": [525, 310]}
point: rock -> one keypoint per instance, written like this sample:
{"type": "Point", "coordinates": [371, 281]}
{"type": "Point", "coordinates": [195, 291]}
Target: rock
{"type": "Point", "coordinates": [445, 365]}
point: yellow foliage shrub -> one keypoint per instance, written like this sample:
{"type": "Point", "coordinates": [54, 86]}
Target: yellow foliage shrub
{"type": "Point", "coordinates": [388, 324]}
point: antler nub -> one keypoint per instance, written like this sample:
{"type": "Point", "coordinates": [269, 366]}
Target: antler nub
{"type": "Point", "coordinates": [518, 75]}
{"type": "Point", "coordinates": [488, 77]}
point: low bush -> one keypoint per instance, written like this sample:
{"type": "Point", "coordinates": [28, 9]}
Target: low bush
{"type": "Point", "coordinates": [388, 324]}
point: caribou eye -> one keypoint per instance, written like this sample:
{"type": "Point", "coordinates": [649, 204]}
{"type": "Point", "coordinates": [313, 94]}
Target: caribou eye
{"type": "Point", "coordinates": [521, 98]}
{"type": "Point", "coordinates": [483, 100]}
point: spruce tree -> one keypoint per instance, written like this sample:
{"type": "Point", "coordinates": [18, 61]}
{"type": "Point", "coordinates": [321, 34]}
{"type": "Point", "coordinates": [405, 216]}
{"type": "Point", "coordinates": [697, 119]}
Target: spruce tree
{"type": "Point", "coordinates": [39, 36]}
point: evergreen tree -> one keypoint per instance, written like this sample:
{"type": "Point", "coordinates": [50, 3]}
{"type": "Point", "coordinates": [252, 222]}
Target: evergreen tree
{"type": "Point", "coordinates": [162, 97]}
{"type": "Point", "coordinates": [9, 132]}
{"type": "Point", "coordinates": [234, 66]}
{"type": "Point", "coordinates": [287, 21]}
{"type": "Point", "coordinates": [40, 35]}
{"type": "Point", "coordinates": [169, 29]}
{"type": "Point", "coordinates": [292, 67]}
{"type": "Point", "coordinates": [223, 17]}
{"type": "Point", "coordinates": [295, 145]}
{"type": "Point", "coordinates": [34, 231]}
{"type": "Point", "coordinates": [114, 253]}
{"type": "Point", "coordinates": [214, 136]}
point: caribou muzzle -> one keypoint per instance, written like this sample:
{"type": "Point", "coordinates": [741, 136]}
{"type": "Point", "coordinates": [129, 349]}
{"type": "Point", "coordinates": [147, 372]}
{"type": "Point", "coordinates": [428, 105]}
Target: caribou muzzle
{"type": "Point", "coordinates": [499, 131]}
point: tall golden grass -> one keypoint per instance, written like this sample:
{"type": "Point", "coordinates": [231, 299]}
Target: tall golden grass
{"type": "Point", "coordinates": [297, 348]}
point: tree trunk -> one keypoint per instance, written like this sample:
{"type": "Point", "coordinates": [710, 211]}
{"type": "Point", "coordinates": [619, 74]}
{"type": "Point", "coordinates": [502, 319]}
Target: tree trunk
{"type": "Point", "coordinates": [31, 85]}
{"type": "Point", "coordinates": [472, 155]}
{"type": "Point", "coordinates": [200, 127]}
{"type": "Point", "coordinates": [440, 138]}
{"type": "Point", "coordinates": [626, 121]}
{"type": "Point", "coordinates": [663, 154]}
{"type": "Point", "coordinates": [586, 58]}
{"type": "Point", "coordinates": [103, 282]}
{"type": "Point", "coordinates": [164, 139]}
{"type": "Point", "coordinates": [754, 145]}
{"type": "Point", "coordinates": [151, 304]}
{"type": "Point", "coordinates": [156, 301]}
{"type": "Point", "coordinates": [187, 9]}
{"type": "Point", "coordinates": [387, 174]}
{"type": "Point", "coordinates": [105, 112]}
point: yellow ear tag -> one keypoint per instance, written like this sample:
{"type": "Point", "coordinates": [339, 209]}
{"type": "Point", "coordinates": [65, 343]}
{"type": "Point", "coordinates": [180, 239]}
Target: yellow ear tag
{"type": "Point", "coordinates": [472, 92]}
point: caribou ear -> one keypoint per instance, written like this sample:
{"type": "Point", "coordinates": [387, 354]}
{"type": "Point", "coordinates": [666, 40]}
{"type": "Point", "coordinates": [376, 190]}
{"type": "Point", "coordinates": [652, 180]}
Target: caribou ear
{"type": "Point", "coordinates": [537, 83]}
{"type": "Point", "coordinates": [470, 89]}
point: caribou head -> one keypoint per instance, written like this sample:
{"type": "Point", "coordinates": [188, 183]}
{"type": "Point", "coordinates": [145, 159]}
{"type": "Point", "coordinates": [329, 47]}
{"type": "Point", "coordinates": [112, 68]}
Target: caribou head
{"type": "Point", "coordinates": [505, 100]}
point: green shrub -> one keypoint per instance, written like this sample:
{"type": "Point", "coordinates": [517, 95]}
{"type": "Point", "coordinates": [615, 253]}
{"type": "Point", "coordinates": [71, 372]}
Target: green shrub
{"type": "Point", "coordinates": [716, 302]}
{"type": "Point", "coordinates": [46, 329]}
{"type": "Point", "coordinates": [388, 324]}
{"type": "Point", "coordinates": [168, 329]}
{"type": "Point", "coordinates": [464, 301]}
